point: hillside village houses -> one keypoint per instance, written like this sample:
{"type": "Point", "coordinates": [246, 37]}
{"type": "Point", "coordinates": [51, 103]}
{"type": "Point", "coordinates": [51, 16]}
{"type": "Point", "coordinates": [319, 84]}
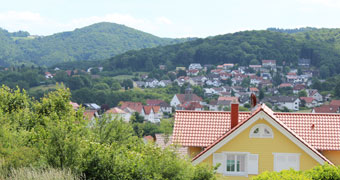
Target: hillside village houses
{"type": "Point", "coordinates": [229, 80]}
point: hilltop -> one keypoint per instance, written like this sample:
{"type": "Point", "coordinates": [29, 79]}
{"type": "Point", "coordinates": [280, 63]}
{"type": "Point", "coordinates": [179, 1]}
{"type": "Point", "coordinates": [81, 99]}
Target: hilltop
{"type": "Point", "coordinates": [95, 42]}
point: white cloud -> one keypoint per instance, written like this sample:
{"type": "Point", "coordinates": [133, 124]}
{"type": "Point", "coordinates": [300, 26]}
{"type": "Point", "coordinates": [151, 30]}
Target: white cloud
{"type": "Point", "coordinates": [163, 20]}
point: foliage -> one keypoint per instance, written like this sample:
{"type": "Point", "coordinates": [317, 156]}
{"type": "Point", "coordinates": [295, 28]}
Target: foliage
{"type": "Point", "coordinates": [319, 172]}
{"type": "Point", "coordinates": [95, 42]}
{"type": "Point", "coordinates": [49, 133]}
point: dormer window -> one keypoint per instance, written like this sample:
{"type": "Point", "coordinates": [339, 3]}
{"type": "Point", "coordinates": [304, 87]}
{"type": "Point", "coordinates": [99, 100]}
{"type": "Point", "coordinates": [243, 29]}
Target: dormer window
{"type": "Point", "coordinates": [261, 131]}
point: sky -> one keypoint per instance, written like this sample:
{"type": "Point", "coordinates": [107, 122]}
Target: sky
{"type": "Point", "coordinates": [168, 18]}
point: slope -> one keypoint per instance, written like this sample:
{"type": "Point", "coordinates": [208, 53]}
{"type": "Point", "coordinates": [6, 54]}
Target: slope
{"type": "Point", "coordinates": [97, 41]}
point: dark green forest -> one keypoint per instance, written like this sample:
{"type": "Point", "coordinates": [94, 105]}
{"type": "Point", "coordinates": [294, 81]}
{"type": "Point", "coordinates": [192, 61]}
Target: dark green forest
{"type": "Point", "coordinates": [322, 46]}
{"type": "Point", "coordinates": [95, 42]}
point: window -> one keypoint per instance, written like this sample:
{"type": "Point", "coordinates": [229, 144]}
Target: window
{"type": "Point", "coordinates": [261, 131]}
{"type": "Point", "coordinates": [236, 163]}
{"type": "Point", "coordinates": [286, 161]}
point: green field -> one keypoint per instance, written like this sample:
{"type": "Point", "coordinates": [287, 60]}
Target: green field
{"type": "Point", "coordinates": [122, 77]}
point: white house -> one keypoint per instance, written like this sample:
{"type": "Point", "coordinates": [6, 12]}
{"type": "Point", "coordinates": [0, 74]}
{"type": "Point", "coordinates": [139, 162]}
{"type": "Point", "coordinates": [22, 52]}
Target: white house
{"type": "Point", "coordinates": [315, 94]}
{"type": "Point", "coordinates": [195, 66]}
{"type": "Point", "coordinates": [290, 102]}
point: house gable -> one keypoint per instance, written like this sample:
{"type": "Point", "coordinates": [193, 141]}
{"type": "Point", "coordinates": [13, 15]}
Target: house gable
{"type": "Point", "coordinates": [283, 141]}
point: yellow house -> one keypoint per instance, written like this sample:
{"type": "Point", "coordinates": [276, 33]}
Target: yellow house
{"type": "Point", "coordinates": [246, 144]}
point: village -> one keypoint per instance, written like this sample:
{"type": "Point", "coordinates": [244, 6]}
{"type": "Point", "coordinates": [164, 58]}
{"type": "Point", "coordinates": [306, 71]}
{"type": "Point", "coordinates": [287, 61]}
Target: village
{"type": "Point", "coordinates": [286, 90]}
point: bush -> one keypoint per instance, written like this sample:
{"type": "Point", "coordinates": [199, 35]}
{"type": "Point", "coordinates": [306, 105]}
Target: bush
{"type": "Point", "coordinates": [324, 172]}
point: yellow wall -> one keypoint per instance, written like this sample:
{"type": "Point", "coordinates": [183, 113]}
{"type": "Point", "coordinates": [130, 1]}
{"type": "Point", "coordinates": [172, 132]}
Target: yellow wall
{"type": "Point", "coordinates": [264, 147]}
{"type": "Point", "coordinates": [333, 156]}
{"type": "Point", "coordinates": [193, 151]}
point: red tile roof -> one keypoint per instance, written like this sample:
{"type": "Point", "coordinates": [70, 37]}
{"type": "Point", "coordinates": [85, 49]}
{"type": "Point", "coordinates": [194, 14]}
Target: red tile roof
{"type": "Point", "coordinates": [201, 128]}
{"type": "Point", "coordinates": [115, 111]}
{"type": "Point", "coordinates": [335, 102]}
{"type": "Point", "coordinates": [307, 99]}
{"type": "Point", "coordinates": [295, 123]}
{"type": "Point", "coordinates": [136, 106]}
{"type": "Point", "coordinates": [285, 85]}
{"type": "Point", "coordinates": [326, 109]}
{"type": "Point", "coordinates": [188, 97]}
{"type": "Point", "coordinates": [225, 98]}
{"type": "Point", "coordinates": [253, 89]}
{"type": "Point", "coordinates": [147, 109]}
{"type": "Point", "coordinates": [153, 102]}
{"type": "Point", "coordinates": [156, 109]}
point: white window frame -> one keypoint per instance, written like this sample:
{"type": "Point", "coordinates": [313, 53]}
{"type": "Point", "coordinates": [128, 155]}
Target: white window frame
{"type": "Point", "coordinates": [261, 133]}
{"type": "Point", "coordinates": [243, 173]}
{"type": "Point", "coordinates": [297, 155]}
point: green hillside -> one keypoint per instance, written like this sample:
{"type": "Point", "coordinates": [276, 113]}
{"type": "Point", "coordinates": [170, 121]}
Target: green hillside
{"type": "Point", "coordinates": [322, 46]}
{"type": "Point", "coordinates": [95, 42]}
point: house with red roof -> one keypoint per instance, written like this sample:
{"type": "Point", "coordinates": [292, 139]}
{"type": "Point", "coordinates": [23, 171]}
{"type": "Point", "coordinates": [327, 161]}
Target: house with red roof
{"type": "Point", "coordinates": [309, 102]}
{"type": "Point", "coordinates": [335, 103]}
{"type": "Point", "coordinates": [119, 113]}
{"type": "Point", "coordinates": [315, 94]}
{"type": "Point", "coordinates": [269, 63]}
{"type": "Point", "coordinates": [326, 109]}
{"type": "Point", "coordinates": [189, 96]}
{"type": "Point", "coordinates": [246, 144]}
{"type": "Point", "coordinates": [193, 72]}
{"type": "Point", "coordinates": [152, 113]}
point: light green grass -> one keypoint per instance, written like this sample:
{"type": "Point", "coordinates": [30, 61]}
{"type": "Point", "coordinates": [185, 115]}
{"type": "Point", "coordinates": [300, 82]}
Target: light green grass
{"type": "Point", "coordinates": [123, 77]}
{"type": "Point", "coordinates": [44, 87]}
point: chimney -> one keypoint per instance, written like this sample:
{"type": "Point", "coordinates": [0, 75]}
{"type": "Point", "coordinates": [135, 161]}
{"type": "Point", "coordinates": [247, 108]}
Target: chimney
{"type": "Point", "coordinates": [234, 114]}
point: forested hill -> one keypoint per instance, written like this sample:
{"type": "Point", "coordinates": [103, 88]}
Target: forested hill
{"type": "Point", "coordinates": [291, 31]}
{"type": "Point", "coordinates": [95, 42]}
{"type": "Point", "coordinates": [322, 46]}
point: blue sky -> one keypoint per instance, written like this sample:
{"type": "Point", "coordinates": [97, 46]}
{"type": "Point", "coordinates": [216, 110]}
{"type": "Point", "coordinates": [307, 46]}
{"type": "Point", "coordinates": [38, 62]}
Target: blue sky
{"type": "Point", "coordinates": [169, 18]}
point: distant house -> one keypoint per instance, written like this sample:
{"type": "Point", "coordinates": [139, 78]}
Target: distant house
{"type": "Point", "coordinates": [315, 94]}
{"type": "Point", "coordinates": [48, 75]}
{"type": "Point", "coordinates": [151, 113]}
{"type": "Point", "coordinates": [304, 63]}
{"type": "Point", "coordinates": [92, 106]}
{"type": "Point", "coordinates": [254, 90]}
{"type": "Point", "coordinates": [285, 85]}
{"type": "Point", "coordinates": [290, 102]}
{"type": "Point", "coordinates": [335, 103]}
{"type": "Point", "coordinates": [223, 101]}
{"type": "Point", "coordinates": [140, 84]}
{"type": "Point", "coordinates": [213, 105]}
{"type": "Point", "coordinates": [195, 66]}
{"type": "Point", "coordinates": [164, 83]}
{"type": "Point", "coordinates": [134, 106]}
{"type": "Point", "coordinates": [326, 109]}
{"type": "Point", "coordinates": [90, 115]}
{"type": "Point", "coordinates": [255, 67]}
{"type": "Point", "coordinates": [299, 87]}
{"type": "Point", "coordinates": [309, 101]}
{"type": "Point", "coordinates": [152, 83]}
{"type": "Point", "coordinates": [269, 63]}
{"type": "Point", "coordinates": [74, 105]}
{"type": "Point", "coordinates": [165, 107]}
{"type": "Point", "coordinates": [119, 113]}
{"type": "Point", "coordinates": [228, 65]}
{"type": "Point", "coordinates": [180, 99]}
{"type": "Point", "coordinates": [193, 72]}
{"type": "Point", "coordinates": [195, 106]}
{"type": "Point", "coordinates": [162, 67]}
